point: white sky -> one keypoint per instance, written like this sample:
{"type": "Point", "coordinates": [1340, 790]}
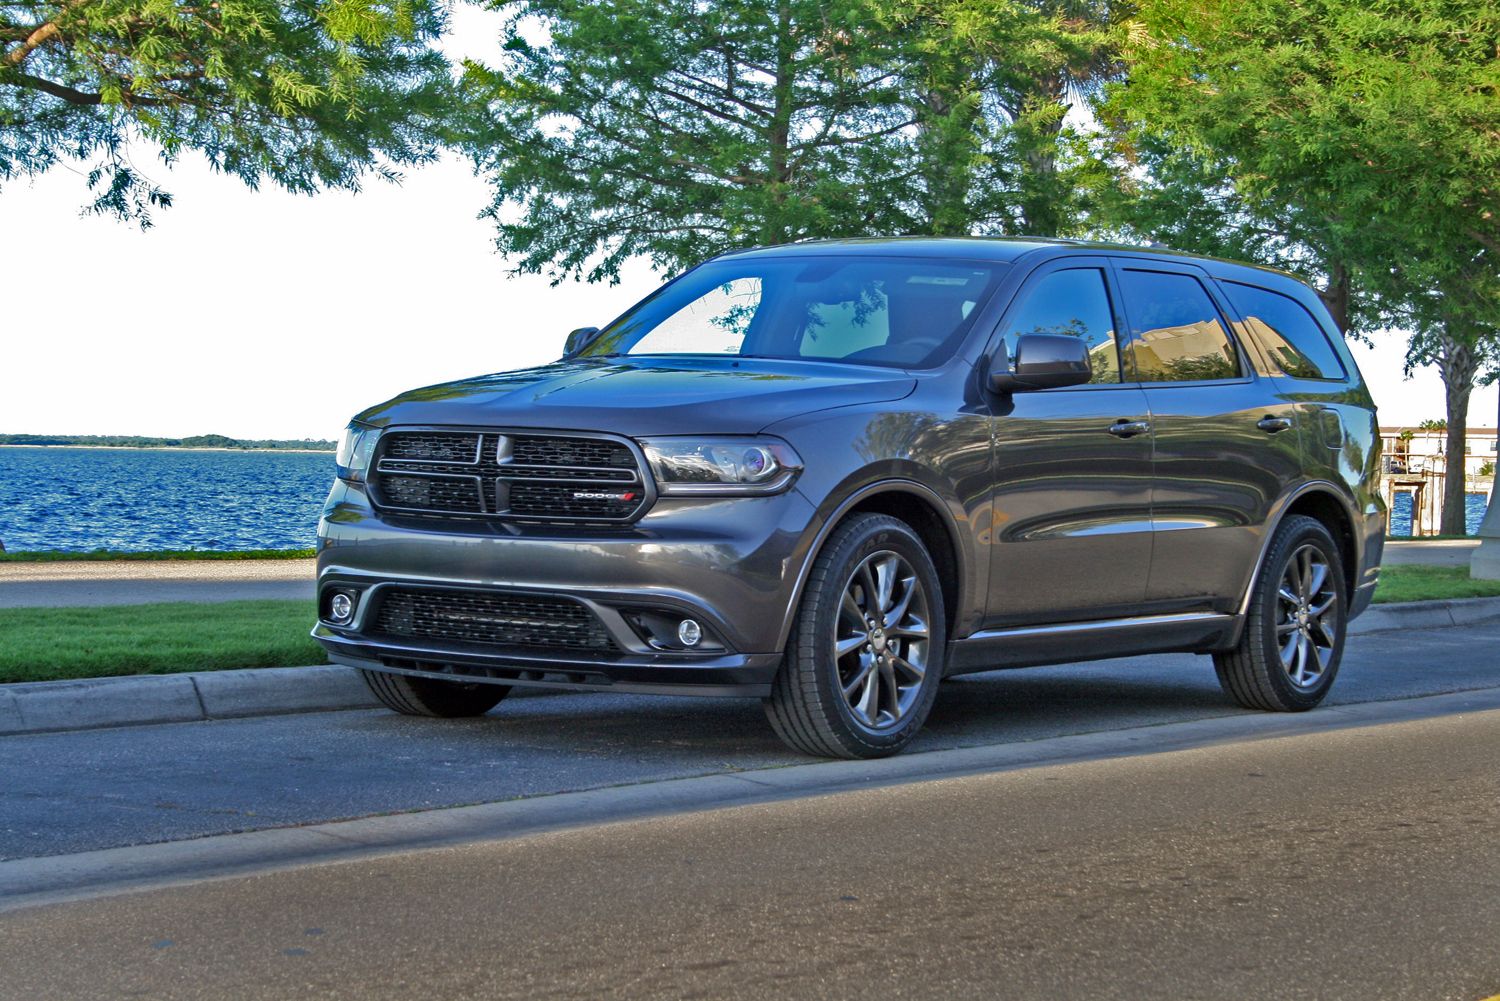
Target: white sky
{"type": "Point", "coordinates": [268, 315]}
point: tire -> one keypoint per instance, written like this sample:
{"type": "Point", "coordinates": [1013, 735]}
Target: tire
{"type": "Point", "coordinates": [1293, 640]}
{"type": "Point", "coordinates": [818, 704]}
{"type": "Point", "coordinates": [412, 696]}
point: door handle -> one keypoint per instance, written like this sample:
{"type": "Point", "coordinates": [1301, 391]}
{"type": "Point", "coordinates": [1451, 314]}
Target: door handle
{"type": "Point", "coordinates": [1129, 429]}
{"type": "Point", "coordinates": [1270, 425]}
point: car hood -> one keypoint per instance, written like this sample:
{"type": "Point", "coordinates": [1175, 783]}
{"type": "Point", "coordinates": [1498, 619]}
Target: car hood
{"type": "Point", "coordinates": [646, 396]}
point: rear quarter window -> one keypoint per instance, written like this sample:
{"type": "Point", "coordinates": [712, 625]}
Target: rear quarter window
{"type": "Point", "coordinates": [1282, 337]}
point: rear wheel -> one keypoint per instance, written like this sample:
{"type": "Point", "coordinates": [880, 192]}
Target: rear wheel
{"type": "Point", "coordinates": [1293, 640]}
{"type": "Point", "coordinates": [866, 652]}
{"type": "Point", "coordinates": [413, 696]}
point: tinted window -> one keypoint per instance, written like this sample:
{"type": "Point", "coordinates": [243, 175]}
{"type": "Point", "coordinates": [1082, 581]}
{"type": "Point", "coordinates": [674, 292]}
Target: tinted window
{"type": "Point", "coordinates": [713, 323]}
{"type": "Point", "coordinates": [840, 329]}
{"type": "Point", "coordinates": [865, 310]}
{"type": "Point", "coordinates": [1279, 329]}
{"type": "Point", "coordinates": [1075, 301]}
{"type": "Point", "coordinates": [1177, 335]}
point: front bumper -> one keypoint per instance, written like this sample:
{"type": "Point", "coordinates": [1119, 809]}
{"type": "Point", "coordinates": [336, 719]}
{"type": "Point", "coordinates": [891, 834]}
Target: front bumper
{"type": "Point", "coordinates": [732, 564]}
{"type": "Point", "coordinates": [725, 675]}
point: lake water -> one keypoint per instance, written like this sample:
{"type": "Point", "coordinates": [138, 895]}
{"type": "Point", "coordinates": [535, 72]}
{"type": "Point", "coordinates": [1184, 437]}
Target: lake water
{"type": "Point", "coordinates": [1401, 512]}
{"type": "Point", "coordinates": [77, 499]}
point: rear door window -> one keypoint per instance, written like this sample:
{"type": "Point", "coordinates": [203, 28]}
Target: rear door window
{"type": "Point", "coordinates": [1177, 334]}
{"type": "Point", "coordinates": [1281, 334]}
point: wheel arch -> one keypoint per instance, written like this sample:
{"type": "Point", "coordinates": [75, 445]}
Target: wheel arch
{"type": "Point", "coordinates": [916, 505]}
{"type": "Point", "coordinates": [1322, 502]}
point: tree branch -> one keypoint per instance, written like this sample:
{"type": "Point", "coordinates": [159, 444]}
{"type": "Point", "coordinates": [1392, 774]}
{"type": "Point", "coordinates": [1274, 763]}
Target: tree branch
{"type": "Point", "coordinates": [35, 40]}
{"type": "Point", "coordinates": [73, 96]}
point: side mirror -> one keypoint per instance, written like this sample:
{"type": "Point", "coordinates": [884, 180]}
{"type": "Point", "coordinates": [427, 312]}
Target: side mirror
{"type": "Point", "coordinates": [578, 340]}
{"type": "Point", "coordinates": [1045, 361]}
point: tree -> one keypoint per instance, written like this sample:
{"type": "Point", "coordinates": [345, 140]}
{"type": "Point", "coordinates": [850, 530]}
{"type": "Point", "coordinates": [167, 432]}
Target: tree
{"type": "Point", "coordinates": [1158, 193]}
{"type": "Point", "coordinates": [1375, 121]}
{"type": "Point", "coordinates": [674, 130]}
{"type": "Point", "coordinates": [1450, 333]}
{"type": "Point", "coordinates": [1071, 51]}
{"type": "Point", "coordinates": [992, 83]}
{"type": "Point", "coordinates": [308, 94]}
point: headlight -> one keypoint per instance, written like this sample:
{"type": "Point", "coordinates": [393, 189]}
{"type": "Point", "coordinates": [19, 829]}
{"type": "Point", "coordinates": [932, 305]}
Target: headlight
{"type": "Point", "coordinates": [355, 449]}
{"type": "Point", "coordinates": [721, 466]}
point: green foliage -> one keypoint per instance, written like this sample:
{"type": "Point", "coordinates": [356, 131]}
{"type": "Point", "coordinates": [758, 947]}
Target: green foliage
{"type": "Point", "coordinates": [196, 441]}
{"type": "Point", "coordinates": [992, 82]}
{"type": "Point", "coordinates": [1364, 133]}
{"type": "Point", "coordinates": [1379, 116]}
{"type": "Point", "coordinates": [308, 94]}
{"type": "Point", "coordinates": [1163, 194]}
{"type": "Point", "coordinates": [677, 130]}
{"type": "Point", "coordinates": [50, 644]}
{"type": "Point", "coordinates": [1367, 134]}
{"type": "Point", "coordinates": [1487, 469]}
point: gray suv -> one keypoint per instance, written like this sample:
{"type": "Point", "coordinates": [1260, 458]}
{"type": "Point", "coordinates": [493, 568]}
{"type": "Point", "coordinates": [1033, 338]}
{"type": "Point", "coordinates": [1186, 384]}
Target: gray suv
{"type": "Point", "coordinates": [829, 475]}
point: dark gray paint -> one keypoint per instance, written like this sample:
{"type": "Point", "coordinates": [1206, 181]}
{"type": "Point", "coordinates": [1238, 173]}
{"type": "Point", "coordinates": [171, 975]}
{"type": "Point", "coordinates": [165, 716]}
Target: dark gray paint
{"type": "Point", "coordinates": [1051, 518]}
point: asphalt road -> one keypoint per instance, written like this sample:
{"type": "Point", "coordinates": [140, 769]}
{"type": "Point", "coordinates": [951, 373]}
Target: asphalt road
{"type": "Point", "coordinates": [136, 582]}
{"type": "Point", "coordinates": [1345, 864]}
{"type": "Point", "coordinates": [72, 792]}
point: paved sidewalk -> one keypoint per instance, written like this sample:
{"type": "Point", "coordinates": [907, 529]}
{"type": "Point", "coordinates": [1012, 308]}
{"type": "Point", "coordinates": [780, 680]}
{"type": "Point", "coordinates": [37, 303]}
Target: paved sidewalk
{"type": "Point", "coordinates": [1429, 552]}
{"type": "Point", "coordinates": [135, 582]}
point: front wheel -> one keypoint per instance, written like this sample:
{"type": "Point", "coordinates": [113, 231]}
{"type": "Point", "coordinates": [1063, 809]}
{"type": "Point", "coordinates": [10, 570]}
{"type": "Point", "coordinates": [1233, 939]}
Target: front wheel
{"type": "Point", "coordinates": [866, 652]}
{"type": "Point", "coordinates": [413, 696]}
{"type": "Point", "coordinates": [1293, 639]}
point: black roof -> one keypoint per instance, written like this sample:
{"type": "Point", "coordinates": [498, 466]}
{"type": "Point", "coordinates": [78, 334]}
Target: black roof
{"type": "Point", "coordinates": [1005, 249]}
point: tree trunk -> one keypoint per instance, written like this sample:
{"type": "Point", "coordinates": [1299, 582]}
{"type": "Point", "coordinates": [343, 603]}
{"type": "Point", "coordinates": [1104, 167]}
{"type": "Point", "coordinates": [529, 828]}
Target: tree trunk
{"type": "Point", "coordinates": [1336, 296]}
{"type": "Point", "coordinates": [1041, 209]}
{"type": "Point", "coordinates": [1459, 365]}
{"type": "Point", "coordinates": [778, 227]}
{"type": "Point", "coordinates": [947, 120]}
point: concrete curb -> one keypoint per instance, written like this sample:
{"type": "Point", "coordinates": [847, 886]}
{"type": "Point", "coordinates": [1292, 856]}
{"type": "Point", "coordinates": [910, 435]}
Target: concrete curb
{"type": "Point", "coordinates": [1426, 615]}
{"type": "Point", "coordinates": [46, 706]}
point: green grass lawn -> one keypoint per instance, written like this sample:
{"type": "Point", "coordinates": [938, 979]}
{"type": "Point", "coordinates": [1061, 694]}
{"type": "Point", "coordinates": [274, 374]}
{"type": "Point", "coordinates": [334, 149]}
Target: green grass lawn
{"type": "Point", "coordinates": [47, 556]}
{"type": "Point", "coordinates": [48, 644]}
{"type": "Point", "coordinates": [1422, 583]}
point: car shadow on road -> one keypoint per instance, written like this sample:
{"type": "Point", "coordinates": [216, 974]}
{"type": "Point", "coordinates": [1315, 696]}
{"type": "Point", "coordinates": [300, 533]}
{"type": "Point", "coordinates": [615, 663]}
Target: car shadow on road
{"type": "Point", "coordinates": [714, 733]}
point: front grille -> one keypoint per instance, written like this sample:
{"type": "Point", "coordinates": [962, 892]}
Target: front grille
{"type": "Point", "coordinates": [568, 500]}
{"type": "Point", "coordinates": [504, 620]}
{"type": "Point", "coordinates": [432, 493]}
{"type": "Point", "coordinates": [525, 476]}
{"type": "Point", "coordinates": [441, 446]}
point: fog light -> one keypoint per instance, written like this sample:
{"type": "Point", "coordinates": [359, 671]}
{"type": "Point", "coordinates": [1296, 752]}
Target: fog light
{"type": "Point", "coordinates": [340, 608]}
{"type": "Point", "coordinates": [689, 632]}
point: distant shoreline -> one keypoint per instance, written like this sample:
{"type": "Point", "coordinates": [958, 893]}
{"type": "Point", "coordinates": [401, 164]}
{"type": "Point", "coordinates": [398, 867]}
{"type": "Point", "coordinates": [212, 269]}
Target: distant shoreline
{"type": "Point", "coordinates": [180, 448]}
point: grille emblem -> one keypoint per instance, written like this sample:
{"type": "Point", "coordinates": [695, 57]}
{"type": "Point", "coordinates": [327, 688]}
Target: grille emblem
{"type": "Point", "coordinates": [625, 497]}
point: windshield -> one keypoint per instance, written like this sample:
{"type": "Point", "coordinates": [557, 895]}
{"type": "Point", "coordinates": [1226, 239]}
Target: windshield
{"type": "Point", "coordinates": [859, 310]}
